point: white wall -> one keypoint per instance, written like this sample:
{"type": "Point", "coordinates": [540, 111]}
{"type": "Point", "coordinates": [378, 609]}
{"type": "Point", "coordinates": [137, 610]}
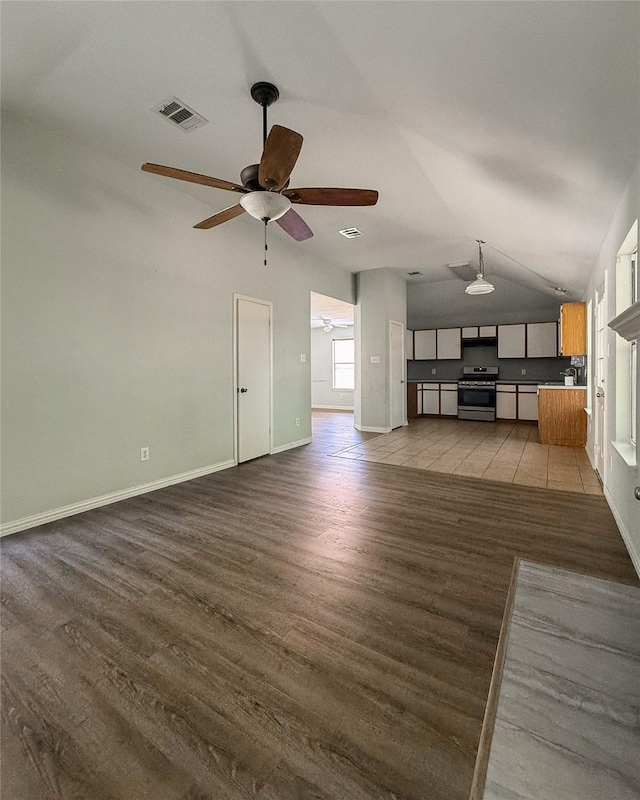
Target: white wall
{"type": "Point", "coordinates": [620, 478]}
{"type": "Point", "coordinates": [381, 298]}
{"type": "Point", "coordinates": [322, 395]}
{"type": "Point", "coordinates": [117, 324]}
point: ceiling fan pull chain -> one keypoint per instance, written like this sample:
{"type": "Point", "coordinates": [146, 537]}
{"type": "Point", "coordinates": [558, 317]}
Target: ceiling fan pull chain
{"type": "Point", "coordinates": [265, 241]}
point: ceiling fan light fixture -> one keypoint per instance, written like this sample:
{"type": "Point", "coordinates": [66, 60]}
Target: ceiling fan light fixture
{"type": "Point", "coordinates": [265, 205]}
{"type": "Point", "coordinates": [480, 285]}
{"type": "Point", "coordinates": [327, 328]}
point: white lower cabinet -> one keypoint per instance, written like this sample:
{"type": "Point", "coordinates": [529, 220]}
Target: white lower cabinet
{"type": "Point", "coordinates": [506, 401]}
{"type": "Point", "coordinates": [431, 399]}
{"type": "Point", "coordinates": [528, 402]}
{"type": "Point", "coordinates": [449, 399]}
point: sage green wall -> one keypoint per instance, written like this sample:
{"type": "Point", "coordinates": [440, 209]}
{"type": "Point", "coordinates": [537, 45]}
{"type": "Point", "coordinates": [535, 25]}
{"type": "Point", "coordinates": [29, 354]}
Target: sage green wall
{"type": "Point", "coordinates": [117, 323]}
{"type": "Point", "coordinates": [381, 298]}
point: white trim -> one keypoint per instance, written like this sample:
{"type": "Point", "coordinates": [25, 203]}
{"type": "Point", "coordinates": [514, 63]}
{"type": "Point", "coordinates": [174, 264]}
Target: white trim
{"type": "Point", "coordinates": [369, 429]}
{"type": "Point", "coordinates": [334, 408]}
{"type": "Point", "coordinates": [627, 324]}
{"type": "Point", "coordinates": [234, 344]}
{"type": "Point", "coordinates": [105, 499]}
{"type": "Point", "coordinates": [403, 410]}
{"type": "Point", "coordinates": [282, 447]}
{"type": "Point", "coordinates": [626, 536]}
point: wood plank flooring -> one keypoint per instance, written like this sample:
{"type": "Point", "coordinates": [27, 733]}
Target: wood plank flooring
{"type": "Point", "coordinates": [297, 627]}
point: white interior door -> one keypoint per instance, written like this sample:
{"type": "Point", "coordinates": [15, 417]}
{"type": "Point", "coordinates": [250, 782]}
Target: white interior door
{"type": "Point", "coordinates": [253, 378]}
{"type": "Point", "coordinates": [600, 385]}
{"type": "Point", "coordinates": [396, 374]}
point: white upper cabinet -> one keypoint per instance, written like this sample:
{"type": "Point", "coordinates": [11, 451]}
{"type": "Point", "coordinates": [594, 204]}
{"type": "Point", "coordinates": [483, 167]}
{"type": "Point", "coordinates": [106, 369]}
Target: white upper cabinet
{"type": "Point", "coordinates": [408, 345]}
{"type": "Point", "coordinates": [424, 345]}
{"type": "Point", "coordinates": [488, 330]}
{"type": "Point", "coordinates": [512, 341]}
{"type": "Point", "coordinates": [470, 333]}
{"type": "Point", "coordinates": [542, 340]}
{"type": "Point", "coordinates": [449, 343]}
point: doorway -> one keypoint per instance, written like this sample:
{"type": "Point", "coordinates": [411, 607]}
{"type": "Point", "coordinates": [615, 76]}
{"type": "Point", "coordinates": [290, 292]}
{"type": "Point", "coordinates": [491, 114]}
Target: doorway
{"type": "Point", "coordinates": [333, 361]}
{"type": "Point", "coordinates": [397, 366]}
{"type": "Point", "coordinates": [253, 361]}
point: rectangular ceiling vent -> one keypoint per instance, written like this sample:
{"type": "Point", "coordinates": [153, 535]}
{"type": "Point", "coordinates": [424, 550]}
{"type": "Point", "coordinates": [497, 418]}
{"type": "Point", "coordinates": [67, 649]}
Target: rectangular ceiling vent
{"type": "Point", "coordinates": [351, 233]}
{"type": "Point", "coordinates": [180, 114]}
{"type": "Point", "coordinates": [463, 270]}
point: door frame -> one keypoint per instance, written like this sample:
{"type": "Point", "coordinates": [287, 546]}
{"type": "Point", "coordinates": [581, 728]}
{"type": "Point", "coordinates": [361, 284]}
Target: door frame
{"type": "Point", "coordinates": [404, 375]}
{"type": "Point", "coordinates": [234, 340]}
{"type": "Point", "coordinates": [600, 450]}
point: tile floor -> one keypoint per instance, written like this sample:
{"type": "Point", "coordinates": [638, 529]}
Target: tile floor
{"type": "Point", "coordinates": [501, 451]}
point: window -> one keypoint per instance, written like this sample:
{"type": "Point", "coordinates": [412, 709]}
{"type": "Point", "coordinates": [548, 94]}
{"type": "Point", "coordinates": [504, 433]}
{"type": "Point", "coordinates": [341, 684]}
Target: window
{"type": "Point", "coordinates": [343, 362]}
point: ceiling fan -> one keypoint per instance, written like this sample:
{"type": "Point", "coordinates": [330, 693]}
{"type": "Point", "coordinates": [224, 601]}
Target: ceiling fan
{"type": "Point", "coordinates": [264, 189]}
{"type": "Point", "coordinates": [328, 325]}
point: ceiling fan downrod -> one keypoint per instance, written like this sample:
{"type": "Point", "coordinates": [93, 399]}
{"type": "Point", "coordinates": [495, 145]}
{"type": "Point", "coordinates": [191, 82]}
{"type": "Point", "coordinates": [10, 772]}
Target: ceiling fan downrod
{"type": "Point", "coordinates": [264, 93]}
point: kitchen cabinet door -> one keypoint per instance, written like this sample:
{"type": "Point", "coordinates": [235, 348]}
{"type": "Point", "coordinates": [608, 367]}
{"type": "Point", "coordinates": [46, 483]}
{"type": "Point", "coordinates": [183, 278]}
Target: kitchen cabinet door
{"type": "Point", "coordinates": [488, 330]}
{"type": "Point", "coordinates": [506, 403]}
{"type": "Point", "coordinates": [449, 343]}
{"type": "Point", "coordinates": [449, 402]}
{"type": "Point", "coordinates": [573, 329]}
{"type": "Point", "coordinates": [512, 341]}
{"type": "Point", "coordinates": [424, 345]}
{"type": "Point", "coordinates": [408, 345]}
{"type": "Point", "coordinates": [431, 399]}
{"type": "Point", "coordinates": [528, 402]}
{"type": "Point", "coordinates": [542, 340]}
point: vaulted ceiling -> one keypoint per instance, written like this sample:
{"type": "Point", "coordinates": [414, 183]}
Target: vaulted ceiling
{"type": "Point", "coordinates": [515, 122]}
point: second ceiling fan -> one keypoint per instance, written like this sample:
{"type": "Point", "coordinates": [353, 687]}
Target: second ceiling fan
{"type": "Point", "coordinates": [264, 189]}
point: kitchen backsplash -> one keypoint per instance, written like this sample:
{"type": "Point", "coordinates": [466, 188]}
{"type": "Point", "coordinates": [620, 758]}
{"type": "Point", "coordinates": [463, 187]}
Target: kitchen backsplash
{"type": "Point", "coordinates": [537, 369]}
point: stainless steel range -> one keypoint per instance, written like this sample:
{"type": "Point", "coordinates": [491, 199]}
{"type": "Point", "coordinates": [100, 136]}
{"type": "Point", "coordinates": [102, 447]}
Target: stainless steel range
{"type": "Point", "coordinates": [477, 393]}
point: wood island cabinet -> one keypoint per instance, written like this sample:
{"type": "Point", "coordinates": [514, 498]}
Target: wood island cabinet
{"type": "Point", "coordinates": [561, 416]}
{"type": "Point", "coordinates": [573, 329]}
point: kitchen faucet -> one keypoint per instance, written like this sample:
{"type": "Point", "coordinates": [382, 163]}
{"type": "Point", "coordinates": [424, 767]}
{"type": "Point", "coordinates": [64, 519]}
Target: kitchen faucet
{"type": "Point", "coordinates": [571, 372]}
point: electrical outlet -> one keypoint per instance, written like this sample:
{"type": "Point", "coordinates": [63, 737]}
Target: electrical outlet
{"type": "Point", "coordinates": [303, 358]}
{"type": "Point", "coordinates": [433, 371]}
{"type": "Point", "coordinates": [342, 397]}
{"type": "Point", "coordinates": [524, 371]}
{"type": "Point", "coordinates": [144, 454]}
{"type": "Point", "coordinates": [297, 422]}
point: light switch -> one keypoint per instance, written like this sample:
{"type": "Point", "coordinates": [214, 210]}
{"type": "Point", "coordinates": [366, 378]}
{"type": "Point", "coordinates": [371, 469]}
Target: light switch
{"type": "Point", "coordinates": [303, 357]}
{"type": "Point", "coordinates": [375, 359]}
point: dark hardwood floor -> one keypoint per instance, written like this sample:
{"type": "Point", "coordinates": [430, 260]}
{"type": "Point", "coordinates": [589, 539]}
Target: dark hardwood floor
{"type": "Point", "coordinates": [297, 627]}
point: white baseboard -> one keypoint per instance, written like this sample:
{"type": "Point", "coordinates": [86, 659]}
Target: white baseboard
{"type": "Point", "coordinates": [334, 408]}
{"type": "Point", "coordinates": [626, 536]}
{"type": "Point", "coordinates": [95, 502]}
{"type": "Point", "coordinates": [282, 447]}
{"type": "Point", "coordinates": [368, 429]}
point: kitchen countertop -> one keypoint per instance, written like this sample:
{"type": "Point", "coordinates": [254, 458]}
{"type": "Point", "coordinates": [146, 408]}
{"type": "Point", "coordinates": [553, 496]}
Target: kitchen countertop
{"type": "Point", "coordinates": [559, 386]}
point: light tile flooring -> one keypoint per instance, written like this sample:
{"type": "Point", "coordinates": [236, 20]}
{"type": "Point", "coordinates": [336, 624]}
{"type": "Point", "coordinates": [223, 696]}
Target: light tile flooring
{"type": "Point", "coordinates": [500, 451]}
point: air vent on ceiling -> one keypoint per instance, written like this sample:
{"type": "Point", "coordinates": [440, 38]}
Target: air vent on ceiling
{"type": "Point", "coordinates": [413, 274]}
{"type": "Point", "coordinates": [180, 114]}
{"type": "Point", "coordinates": [463, 270]}
{"type": "Point", "coordinates": [351, 233]}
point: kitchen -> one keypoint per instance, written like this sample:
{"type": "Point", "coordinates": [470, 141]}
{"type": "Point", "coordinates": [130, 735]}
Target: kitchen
{"type": "Point", "coordinates": [523, 371]}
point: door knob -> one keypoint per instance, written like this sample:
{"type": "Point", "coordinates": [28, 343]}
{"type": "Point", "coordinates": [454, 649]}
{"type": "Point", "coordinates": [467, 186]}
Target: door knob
{"type": "Point", "coordinates": [599, 394]}
{"type": "Point", "coordinates": [636, 493]}
{"type": "Point", "coordinates": [242, 391]}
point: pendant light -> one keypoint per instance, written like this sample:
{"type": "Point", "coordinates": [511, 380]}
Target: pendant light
{"type": "Point", "coordinates": [480, 285]}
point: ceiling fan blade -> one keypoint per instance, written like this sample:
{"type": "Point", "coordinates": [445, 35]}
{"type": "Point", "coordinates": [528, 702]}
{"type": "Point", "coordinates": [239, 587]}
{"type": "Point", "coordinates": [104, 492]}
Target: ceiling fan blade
{"type": "Point", "coordinates": [281, 151]}
{"type": "Point", "coordinates": [333, 197]}
{"type": "Point", "coordinates": [220, 217]}
{"type": "Point", "coordinates": [295, 226]}
{"type": "Point", "coordinates": [193, 177]}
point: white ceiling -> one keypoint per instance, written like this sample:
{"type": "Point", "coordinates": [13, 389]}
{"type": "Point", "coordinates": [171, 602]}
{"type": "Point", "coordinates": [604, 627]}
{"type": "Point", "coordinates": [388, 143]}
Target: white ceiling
{"type": "Point", "coordinates": [516, 122]}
